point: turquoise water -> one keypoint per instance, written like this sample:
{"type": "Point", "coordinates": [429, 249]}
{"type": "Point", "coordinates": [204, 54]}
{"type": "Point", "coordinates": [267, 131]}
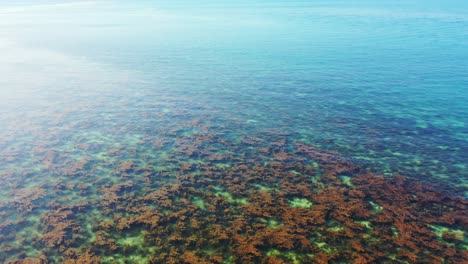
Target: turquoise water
{"type": "Point", "coordinates": [383, 85]}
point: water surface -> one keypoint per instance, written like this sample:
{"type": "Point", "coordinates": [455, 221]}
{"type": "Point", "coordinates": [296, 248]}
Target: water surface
{"type": "Point", "coordinates": [138, 101]}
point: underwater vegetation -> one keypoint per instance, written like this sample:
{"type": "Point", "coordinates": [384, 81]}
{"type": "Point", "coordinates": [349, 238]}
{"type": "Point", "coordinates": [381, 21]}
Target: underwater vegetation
{"type": "Point", "coordinates": [196, 193]}
{"type": "Point", "coordinates": [141, 132]}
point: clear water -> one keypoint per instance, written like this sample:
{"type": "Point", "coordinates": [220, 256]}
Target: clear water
{"type": "Point", "coordinates": [384, 84]}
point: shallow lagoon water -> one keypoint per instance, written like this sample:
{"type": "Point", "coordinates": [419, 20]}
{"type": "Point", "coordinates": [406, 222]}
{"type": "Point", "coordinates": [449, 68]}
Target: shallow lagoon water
{"type": "Point", "coordinates": [132, 131]}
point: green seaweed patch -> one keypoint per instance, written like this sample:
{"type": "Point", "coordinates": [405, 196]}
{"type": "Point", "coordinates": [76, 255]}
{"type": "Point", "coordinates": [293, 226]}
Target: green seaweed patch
{"type": "Point", "coordinates": [324, 247]}
{"type": "Point", "coordinates": [291, 256]}
{"type": "Point", "coordinates": [300, 203]}
{"type": "Point", "coordinates": [316, 179]}
{"type": "Point", "coordinates": [199, 202]}
{"type": "Point", "coordinates": [223, 165]}
{"type": "Point", "coordinates": [218, 189]}
{"type": "Point", "coordinates": [336, 228]}
{"type": "Point", "coordinates": [366, 224]}
{"type": "Point", "coordinates": [346, 180]}
{"type": "Point", "coordinates": [229, 260]}
{"type": "Point", "coordinates": [24, 240]}
{"type": "Point", "coordinates": [272, 223]}
{"type": "Point", "coordinates": [131, 241]}
{"type": "Point", "coordinates": [231, 199]}
{"type": "Point", "coordinates": [273, 252]}
{"type": "Point", "coordinates": [263, 188]}
{"type": "Point", "coordinates": [455, 234]}
{"type": "Point", "coordinates": [133, 250]}
{"type": "Point", "coordinates": [296, 172]}
{"type": "Point", "coordinates": [376, 207]}
{"type": "Point", "coordinates": [210, 251]}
